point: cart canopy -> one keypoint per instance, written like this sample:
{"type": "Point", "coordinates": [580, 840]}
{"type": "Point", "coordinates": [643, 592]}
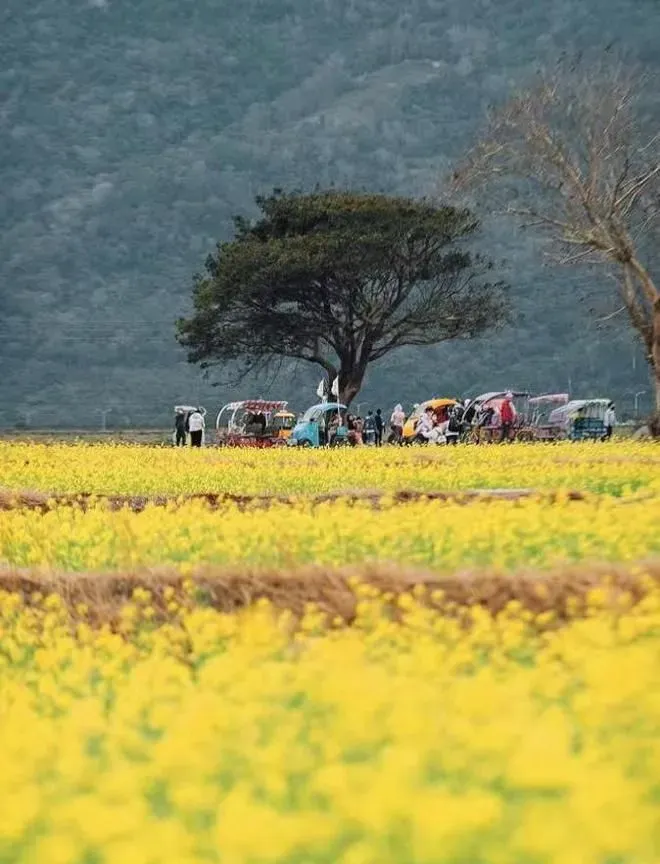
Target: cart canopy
{"type": "Point", "coordinates": [255, 405]}
{"type": "Point", "coordinates": [315, 411]}
{"type": "Point", "coordinates": [498, 394]}
{"type": "Point", "coordinates": [436, 402]}
{"type": "Point", "coordinates": [550, 399]}
{"type": "Point", "coordinates": [589, 407]}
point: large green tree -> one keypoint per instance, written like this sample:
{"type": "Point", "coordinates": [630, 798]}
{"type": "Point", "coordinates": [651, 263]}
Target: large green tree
{"type": "Point", "coordinates": [339, 279]}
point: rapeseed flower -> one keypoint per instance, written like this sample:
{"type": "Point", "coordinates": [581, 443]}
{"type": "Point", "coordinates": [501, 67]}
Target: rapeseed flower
{"type": "Point", "coordinates": [626, 468]}
{"type": "Point", "coordinates": [425, 732]}
{"type": "Point", "coordinates": [445, 536]}
{"type": "Point", "coordinates": [215, 738]}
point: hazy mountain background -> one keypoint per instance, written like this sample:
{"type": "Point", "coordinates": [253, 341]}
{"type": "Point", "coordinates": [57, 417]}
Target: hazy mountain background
{"type": "Point", "coordinates": [131, 131]}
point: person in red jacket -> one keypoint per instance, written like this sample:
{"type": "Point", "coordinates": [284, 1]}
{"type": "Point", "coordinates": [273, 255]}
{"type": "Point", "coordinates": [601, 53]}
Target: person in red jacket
{"type": "Point", "coordinates": [507, 416]}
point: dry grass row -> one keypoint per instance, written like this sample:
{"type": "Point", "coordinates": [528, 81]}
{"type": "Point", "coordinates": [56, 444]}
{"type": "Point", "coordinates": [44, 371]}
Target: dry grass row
{"type": "Point", "coordinates": [563, 592]}
{"type": "Point", "coordinates": [42, 501]}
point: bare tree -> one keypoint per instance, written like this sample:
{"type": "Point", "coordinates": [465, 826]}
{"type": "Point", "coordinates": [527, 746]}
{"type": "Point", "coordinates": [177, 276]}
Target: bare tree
{"type": "Point", "coordinates": [583, 166]}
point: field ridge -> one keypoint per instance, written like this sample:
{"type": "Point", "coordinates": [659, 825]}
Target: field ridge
{"type": "Point", "coordinates": [563, 591]}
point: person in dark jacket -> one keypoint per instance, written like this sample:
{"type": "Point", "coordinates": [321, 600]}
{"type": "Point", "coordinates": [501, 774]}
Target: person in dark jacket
{"type": "Point", "coordinates": [378, 419]}
{"type": "Point", "coordinates": [455, 427]}
{"type": "Point", "coordinates": [180, 428]}
{"type": "Point", "coordinates": [369, 428]}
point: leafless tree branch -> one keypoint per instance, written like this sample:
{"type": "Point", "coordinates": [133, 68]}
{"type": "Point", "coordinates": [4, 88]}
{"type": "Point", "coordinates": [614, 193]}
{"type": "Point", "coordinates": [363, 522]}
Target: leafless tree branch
{"type": "Point", "coordinates": [586, 172]}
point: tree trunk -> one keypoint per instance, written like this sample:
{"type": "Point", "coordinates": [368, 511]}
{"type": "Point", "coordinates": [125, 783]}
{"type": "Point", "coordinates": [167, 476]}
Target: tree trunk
{"type": "Point", "coordinates": [655, 354]}
{"type": "Point", "coordinates": [349, 385]}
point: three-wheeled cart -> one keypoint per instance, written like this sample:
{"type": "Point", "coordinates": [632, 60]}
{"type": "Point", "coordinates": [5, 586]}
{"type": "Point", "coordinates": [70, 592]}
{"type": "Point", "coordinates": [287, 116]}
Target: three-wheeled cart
{"type": "Point", "coordinates": [254, 423]}
{"type": "Point", "coordinates": [582, 419]}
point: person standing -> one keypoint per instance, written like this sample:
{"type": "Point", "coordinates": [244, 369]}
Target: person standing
{"type": "Point", "coordinates": [507, 416]}
{"type": "Point", "coordinates": [180, 428]}
{"type": "Point", "coordinates": [369, 428]}
{"type": "Point", "coordinates": [455, 427]}
{"type": "Point", "coordinates": [323, 429]}
{"type": "Point", "coordinates": [359, 429]}
{"type": "Point", "coordinates": [352, 434]}
{"type": "Point", "coordinates": [333, 426]}
{"type": "Point", "coordinates": [378, 419]}
{"type": "Point", "coordinates": [425, 426]}
{"type": "Point", "coordinates": [397, 421]}
{"type": "Point", "coordinates": [196, 427]}
{"type": "Point", "coordinates": [609, 420]}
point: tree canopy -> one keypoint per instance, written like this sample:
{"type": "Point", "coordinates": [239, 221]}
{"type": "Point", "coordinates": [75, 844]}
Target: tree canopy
{"type": "Point", "coordinates": [340, 279]}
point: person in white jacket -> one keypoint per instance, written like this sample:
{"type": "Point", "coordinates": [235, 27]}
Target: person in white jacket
{"type": "Point", "coordinates": [424, 431]}
{"type": "Point", "coordinates": [397, 421]}
{"type": "Point", "coordinates": [196, 428]}
{"type": "Point", "coordinates": [609, 420]}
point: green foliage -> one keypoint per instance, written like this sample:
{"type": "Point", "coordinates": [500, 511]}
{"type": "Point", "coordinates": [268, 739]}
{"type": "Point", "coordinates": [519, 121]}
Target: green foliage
{"type": "Point", "coordinates": [340, 280]}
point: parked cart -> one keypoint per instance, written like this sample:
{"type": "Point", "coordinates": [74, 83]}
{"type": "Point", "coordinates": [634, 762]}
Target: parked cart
{"type": "Point", "coordinates": [321, 425]}
{"type": "Point", "coordinates": [440, 406]}
{"type": "Point", "coordinates": [582, 419]}
{"type": "Point", "coordinates": [253, 423]}
{"type": "Point", "coordinates": [541, 428]}
{"type": "Point", "coordinates": [481, 419]}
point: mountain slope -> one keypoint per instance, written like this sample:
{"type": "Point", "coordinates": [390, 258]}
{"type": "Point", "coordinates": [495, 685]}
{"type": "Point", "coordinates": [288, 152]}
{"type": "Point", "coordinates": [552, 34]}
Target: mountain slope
{"type": "Point", "coordinates": [133, 132]}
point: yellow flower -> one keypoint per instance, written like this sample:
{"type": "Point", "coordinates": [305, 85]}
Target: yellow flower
{"type": "Point", "coordinates": [426, 730]}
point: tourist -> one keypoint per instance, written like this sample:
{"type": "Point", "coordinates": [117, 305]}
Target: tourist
{"type": "Point", "coordinates": [507, 417]}
{"type": "Point", "coordinates": [378, 419]}
{"type": "Point", "coordinates": [196, 427]}
{"type": "Point", "coordinates": [369, 428]}
{"type": "Point", "coordinates": [397, 421]}
{"type": "Point", "coordinates": [359, 428]}
{"type": "Point", "coordinates": [609, 419]}
{"type": "Point", "coordinates": [425, 426]}
{"type": "Point", "coordinates": [180, 428]}
{"type": "Point", "coordinates": [353, 438]}
{"type": "Point", "coordinates": [333, 426]}
{"type": "Point", "coordinates": [455, 425]}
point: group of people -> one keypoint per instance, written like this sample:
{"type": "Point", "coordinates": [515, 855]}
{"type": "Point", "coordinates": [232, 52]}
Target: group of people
{"type": "Point", "coordinates": [361, 430]}
{"type": "Point", "coordinates": [189, 423]}
{"type": "Point", "coordinates": [367, 430]}
{"type": "Point", "coordinates": [440, 424]}
{"type": "Point", "coordinates": [497, 418]}
{"type": "Point", "coordinates": [445, 424]}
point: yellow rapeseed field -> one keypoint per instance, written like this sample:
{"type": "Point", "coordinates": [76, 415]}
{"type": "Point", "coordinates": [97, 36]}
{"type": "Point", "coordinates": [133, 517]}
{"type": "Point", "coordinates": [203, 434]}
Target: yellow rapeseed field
{"type": "Point", "coordinates": [616, 469]}
{"type": "Point", "coordinates": [445, 536]}
{"type": "Point", "coordinates": [224, 738]}
{"type": "Point", "coordinates": [423, 733]}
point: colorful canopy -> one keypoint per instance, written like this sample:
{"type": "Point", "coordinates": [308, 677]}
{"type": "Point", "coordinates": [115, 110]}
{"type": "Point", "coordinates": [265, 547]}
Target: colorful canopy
{"type": "Point", "coordinates": [255, 405]}
{"type": "Point", "coordinates": [550, 398]}
{"type": "Point", "coordinates": [498, 394]}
